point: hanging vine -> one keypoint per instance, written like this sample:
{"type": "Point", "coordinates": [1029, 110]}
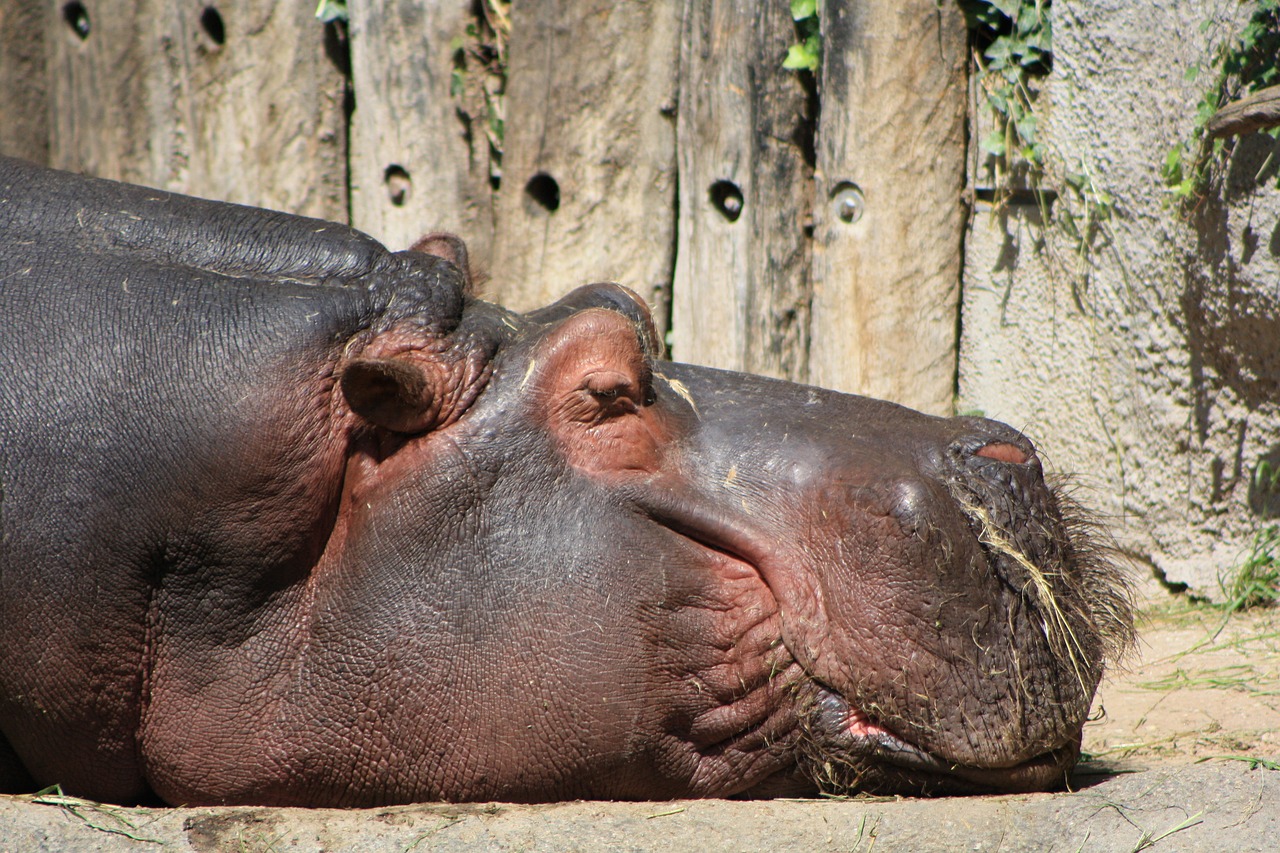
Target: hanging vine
{"type": "Point", "coordinates": [1246, 63]}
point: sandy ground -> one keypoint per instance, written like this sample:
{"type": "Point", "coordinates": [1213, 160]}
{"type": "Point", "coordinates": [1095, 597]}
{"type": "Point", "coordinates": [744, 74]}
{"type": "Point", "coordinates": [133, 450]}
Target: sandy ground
{"type": "Point", "coordinates": [1201, 686]}
{"type": "Point", "coordinates": [1182, 757]}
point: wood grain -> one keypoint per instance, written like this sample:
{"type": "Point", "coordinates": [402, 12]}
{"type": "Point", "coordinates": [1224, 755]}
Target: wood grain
{"type": "Point", "coordinates": [741, 293]}
{"type": "Point", "coordinates": [418, 164]}
{"type": "Point", "coordinates": [591, 104]}
{"type": "Point", "coordinates": [24, 90]}
{"type": "Point", "coordinates": [886, 286]}
{"type": "Point", "coordinates": [245, 107]}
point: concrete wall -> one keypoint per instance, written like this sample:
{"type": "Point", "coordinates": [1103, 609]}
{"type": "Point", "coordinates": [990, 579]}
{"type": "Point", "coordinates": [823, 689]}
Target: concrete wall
{"type": "Point", "coordinates": [1150, 363]}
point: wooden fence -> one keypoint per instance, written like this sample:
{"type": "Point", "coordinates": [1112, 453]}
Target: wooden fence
{"type": "Point", "coordinates": [803, 226]}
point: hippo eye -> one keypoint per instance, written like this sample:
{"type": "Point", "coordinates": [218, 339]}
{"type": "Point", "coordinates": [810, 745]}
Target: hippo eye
{"type": "Point", "coordinates": [611, 393]}
{"type": "Point", "coordinates": [607, 384]}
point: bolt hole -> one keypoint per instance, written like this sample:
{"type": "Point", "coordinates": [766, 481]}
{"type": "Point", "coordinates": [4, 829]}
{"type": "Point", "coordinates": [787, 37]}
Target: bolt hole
{"type": "Point", "coordinates": [847, 202]}
{"type": "Point", "coordinates": [399, 184]}
{"type": "Point", "coordinates": [727, 199]}
{"type": "Point", "coordinates": [77, 17]}
{"type": "Point", "coordinates": [211, 21]}
{"type": "Point", "coordinates": [544, 191]}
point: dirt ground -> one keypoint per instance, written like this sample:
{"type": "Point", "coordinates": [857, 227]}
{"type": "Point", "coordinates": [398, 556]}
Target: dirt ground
{"type": "Point", "coordinates": [1203, 685]}
{"type": "Point", "coordinates": [1182, 757]}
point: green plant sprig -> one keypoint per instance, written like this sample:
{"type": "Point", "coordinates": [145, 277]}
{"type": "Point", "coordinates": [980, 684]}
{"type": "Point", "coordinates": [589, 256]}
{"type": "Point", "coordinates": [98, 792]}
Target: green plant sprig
{"type": "Point", "coordinates": [1266, 477]}
{"type": "Point", "coordinates": [479, 77]}
{"type": "Point", "coordinates": [806, 54]}
{"type": "Point", "coordinates": [1256, 581]}
{"type": "Point", "coordinates": [1012, 51]}
{"type": "Point", "coordinates": [1242, 64]}
{"type": "Point", "coordinates": [1013, 45]}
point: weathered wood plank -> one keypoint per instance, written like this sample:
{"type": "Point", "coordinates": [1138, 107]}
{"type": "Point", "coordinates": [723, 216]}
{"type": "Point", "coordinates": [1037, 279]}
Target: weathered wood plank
{"type": "Point", "coordinates": [237, 100]}
{"type": "Point", "coordinates": [24, 105]}
{"type": "Point", "coordinates": [741, 293]}
{"type": "Point", "coordinates": [417, 163]}
{"type": "Point", "coordinates": [98, 121]}
{"type": "Point", "coordinates": [256, 117]}
{"type": "Point", "coordinates": [892, 126]}
{"type": "Point", "coordinates": [1258, 111]}
{"type": "Point", "coordinates": [588, 182]}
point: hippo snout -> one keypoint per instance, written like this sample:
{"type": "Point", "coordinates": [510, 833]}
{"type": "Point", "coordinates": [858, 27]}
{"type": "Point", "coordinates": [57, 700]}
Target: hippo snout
{"type": "Point", "coordinates": [1002, 612]}
{"type": "Point", "coordinates": [944, 599]}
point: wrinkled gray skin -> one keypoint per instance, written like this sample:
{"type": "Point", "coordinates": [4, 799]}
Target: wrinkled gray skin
{"type": "Point", "coordinates": [290, 519]}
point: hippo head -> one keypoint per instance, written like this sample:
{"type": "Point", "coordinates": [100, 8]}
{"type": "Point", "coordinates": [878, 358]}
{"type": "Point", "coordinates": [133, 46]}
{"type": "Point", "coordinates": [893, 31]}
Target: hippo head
{"type": "Point", "coordinates": [311, 524]}
{"type": "Point", "coordinates": [727, 583]}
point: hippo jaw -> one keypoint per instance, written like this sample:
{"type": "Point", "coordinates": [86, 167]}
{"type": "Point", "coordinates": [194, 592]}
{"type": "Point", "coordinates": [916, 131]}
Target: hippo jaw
{"type": "Point", "coordinates": [1064, 606]}
{"type": "Point", "coordinates": [847, 751]}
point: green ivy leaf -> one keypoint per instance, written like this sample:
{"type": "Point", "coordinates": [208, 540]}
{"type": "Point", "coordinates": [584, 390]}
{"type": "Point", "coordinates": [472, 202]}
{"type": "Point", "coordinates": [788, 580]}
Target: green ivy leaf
{"type": "Point", "coordinates": [1172, 171]}
{"type": "Point", "coordinates": [1026, 127]}
{"type": "Point", "coordinates": [1185, 189]}
{"type": "Point", "coordinates": [993, 143]}
{"type": "Point", "coordinates": [801, 9]}
{"type": "Point", "coordinates": [1008, 7]}
{"type": "Point", "coordinates": [800, 57]}
{"type": "Point", "coordinates": [332, 10]}
{"type": "Point", "coordinates": [1029, 20]}
{"type": "Point", "coordinates": [998, 51]}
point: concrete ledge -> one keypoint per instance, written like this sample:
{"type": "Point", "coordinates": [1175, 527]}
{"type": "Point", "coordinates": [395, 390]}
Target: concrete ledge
{"type": "Point", "coordinates": [1221, 805]}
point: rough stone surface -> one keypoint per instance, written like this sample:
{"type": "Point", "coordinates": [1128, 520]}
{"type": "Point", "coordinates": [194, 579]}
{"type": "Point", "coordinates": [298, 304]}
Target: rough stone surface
{"type": "Point", "coordinates": [1149, 361]}
{"type": "Point", "coordinates": [1224, 806]}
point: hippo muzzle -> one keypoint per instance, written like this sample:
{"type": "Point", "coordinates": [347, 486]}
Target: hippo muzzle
{"type": "Point", "coordinates": [950, 610]}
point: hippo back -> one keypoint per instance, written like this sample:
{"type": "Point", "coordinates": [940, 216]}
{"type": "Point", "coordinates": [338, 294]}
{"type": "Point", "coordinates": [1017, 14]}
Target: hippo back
{"type": "Point", "coordinates": [168, 364]}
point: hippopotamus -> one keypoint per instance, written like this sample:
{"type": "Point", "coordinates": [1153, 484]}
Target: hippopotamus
{"type": "Point", "coordinates": [289, 518]}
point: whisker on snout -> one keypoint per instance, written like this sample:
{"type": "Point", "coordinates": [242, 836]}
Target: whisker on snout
{"type": "Point", "coordinates": [1085, 602]}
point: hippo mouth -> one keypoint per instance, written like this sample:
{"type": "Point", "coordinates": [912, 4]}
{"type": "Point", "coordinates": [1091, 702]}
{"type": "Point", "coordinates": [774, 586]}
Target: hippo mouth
{"type": "Point", "coordinates": [843, 749]}
{"type": "Point", "coordinates": [849, 751]}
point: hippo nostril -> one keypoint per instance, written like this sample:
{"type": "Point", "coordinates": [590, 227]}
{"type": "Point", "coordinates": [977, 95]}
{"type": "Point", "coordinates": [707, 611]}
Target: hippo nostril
{"type": "Point", "coordinates": [1004, 452]}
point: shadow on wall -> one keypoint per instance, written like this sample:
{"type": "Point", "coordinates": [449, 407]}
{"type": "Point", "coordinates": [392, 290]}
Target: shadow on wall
{"type": "Point", "coordinates": [1232, 312]}
{"type": "Point", "coordinates": [1264, 485]}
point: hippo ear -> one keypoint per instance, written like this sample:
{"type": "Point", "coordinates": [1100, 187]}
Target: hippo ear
{"type": "Point", "coordinates": [395, 393]}
{"type": "Point", "coordinates": [442, 244]}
